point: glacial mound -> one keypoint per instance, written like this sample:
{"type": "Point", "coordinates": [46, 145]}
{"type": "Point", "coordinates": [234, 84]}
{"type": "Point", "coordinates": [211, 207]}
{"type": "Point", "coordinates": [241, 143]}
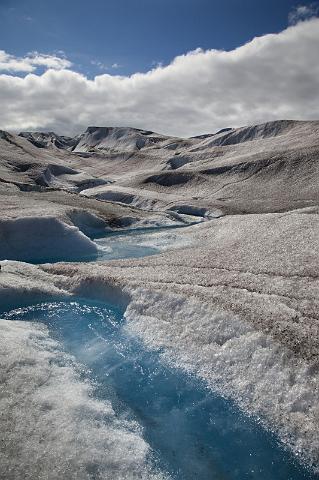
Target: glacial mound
{"type": "Point", "coordinates": [259, 132]}
{"type": "Point", "coordinates": [49, 139]}
{"type": "Point", "coordinates": [116, 139]}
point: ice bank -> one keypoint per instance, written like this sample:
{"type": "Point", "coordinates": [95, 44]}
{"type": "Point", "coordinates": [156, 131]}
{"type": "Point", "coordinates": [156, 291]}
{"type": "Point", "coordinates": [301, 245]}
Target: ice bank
{"type": "Point", "coordinates": [192, 432]}
{"type": "Point", "coordinates": [232, 356]}
{"type": "Point", "coordinates": [52, 425]}
{"type": "Point", "coordinates": [263, 377]}
{"type": "Point", "coordinates": [40, 239]}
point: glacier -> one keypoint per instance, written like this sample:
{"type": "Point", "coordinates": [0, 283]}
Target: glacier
{"type": "Point", "coordinates": [230, 298]}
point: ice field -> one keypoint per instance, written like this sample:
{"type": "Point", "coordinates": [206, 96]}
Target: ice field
{"type": "Point", "coordinates": [159, 302]}
{"type": "Point", "coordinates": [101, 404]}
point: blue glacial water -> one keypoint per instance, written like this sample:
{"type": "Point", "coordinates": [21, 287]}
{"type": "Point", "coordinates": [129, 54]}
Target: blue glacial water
{"type": "Point", "coordinates": [140, 242]}
{"type": "Point", "coordinates": [132, 243]}
{"type": "Point", "coordinates": [194, 434]}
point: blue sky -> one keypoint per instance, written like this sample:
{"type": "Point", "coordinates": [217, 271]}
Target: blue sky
{"type": "Point", "coordinates": [126, 36]}
{"type": "Point", "coordinates": [179, 67]}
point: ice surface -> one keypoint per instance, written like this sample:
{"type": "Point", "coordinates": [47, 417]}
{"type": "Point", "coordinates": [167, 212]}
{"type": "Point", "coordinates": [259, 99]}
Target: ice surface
{"type": "Point", "coordinates": [51, 425]}
{"type": "Point", "coordinates": [253, 273]}
{"type": "Point", "coordinates": [37, 239]}
{"type": "Point", "coordinates": [120, 139]}
{"type": "Point", "coordinates": [238, 332]}
{"type": "Point", "coordinates": [264, 378]}
{"type": "Point", "coordinates": [48, 139]}
{"type": "Point", "coordinates": [193, 432]}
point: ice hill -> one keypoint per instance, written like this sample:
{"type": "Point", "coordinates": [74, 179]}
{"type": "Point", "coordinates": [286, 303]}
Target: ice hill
{"type": "Point", "coordinates": [257, 169]}
{"type": "Point", "coordinates": [239, 306]}
{"type": "Point", "coordinates": [157, 179]}
{"type": "Point", "coordinates": [269, 167]}
{"type": "Point", "coordinates": [49, 139]}
{"type": "Point", "coordinates": [112, 139]}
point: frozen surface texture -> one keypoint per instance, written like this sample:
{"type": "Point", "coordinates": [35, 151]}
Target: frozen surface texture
{"type": "Point", "coordinates": [238, 302]}
{"type": "Point", "coordinates": [252, 330]}
{"type": "Point", "coordinates": [235, 359]}
{"type": "Point", "coordinates": [73, 435]}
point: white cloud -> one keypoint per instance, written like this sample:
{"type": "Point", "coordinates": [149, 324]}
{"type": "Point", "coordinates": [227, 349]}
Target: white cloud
{"type": "Point", "coordinates": [303, 12]}
{"type": "Point", "coordinates": [30, 63]}
{"type": "Point", "coordinates": [272, 77]}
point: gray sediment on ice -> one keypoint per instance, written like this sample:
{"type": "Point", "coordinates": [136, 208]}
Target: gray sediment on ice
{"type": "Point", "coordinates": [239, 306]}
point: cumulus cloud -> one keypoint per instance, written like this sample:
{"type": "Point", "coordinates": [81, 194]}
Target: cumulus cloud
{"type": "Point", "coordinates": [303, 12]}
{"type": "Point", "coordinates": [271, 77]}
{"type": "Point", "coordinates": [30, 63]}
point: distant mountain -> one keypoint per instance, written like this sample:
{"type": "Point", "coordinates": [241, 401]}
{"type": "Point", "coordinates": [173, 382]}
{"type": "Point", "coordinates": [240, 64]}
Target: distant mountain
{"type": "Point", "coordinates": [49, 139]}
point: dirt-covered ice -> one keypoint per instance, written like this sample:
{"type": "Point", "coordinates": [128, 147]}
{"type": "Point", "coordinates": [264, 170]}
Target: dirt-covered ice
{"type": "Point", "coordinates": [237, 303]}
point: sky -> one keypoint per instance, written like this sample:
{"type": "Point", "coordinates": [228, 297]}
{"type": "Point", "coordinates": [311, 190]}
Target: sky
{"type": "Point", "coordinates": [180, 67]}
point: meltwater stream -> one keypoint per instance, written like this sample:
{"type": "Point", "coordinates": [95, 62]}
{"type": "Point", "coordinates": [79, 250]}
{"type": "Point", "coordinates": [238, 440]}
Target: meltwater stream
{"type": "Point", "coordinates": [193, 433]}
{"type": "Point", "coordinates": [130, 243]}
{"type": "Point", "coordinates": [141, 242]}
